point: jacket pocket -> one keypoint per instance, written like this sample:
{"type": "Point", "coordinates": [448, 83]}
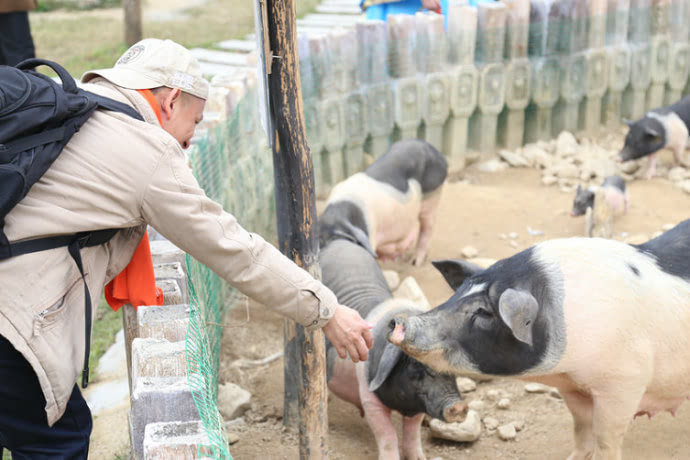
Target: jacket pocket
{"type": "Point", "coordinates": [48, 317]}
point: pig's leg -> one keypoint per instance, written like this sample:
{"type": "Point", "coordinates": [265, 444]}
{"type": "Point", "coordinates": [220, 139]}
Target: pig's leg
{"type": "Point", "coordinates": [580, 406]}
{"type": "Point", "coordinates": [614, 408]}
{"type": "Point", "coordinates": [651, 166]}
{"type": "Point", "coordinates": [412, 440]}
{"type": "Point", "coordinates": [379, 419]}
{"type": "Point", "coordinates": [427, 217]}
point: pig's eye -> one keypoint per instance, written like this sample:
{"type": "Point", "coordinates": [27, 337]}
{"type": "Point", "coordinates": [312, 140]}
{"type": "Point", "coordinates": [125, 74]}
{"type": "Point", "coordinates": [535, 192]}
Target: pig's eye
{"type": "Point", "coordinates": [482, 313]}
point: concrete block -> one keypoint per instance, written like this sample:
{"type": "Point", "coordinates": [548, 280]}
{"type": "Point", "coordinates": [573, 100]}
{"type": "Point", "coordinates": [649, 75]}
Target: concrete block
{"type": "Point", "coordinates": [634, 97]}
{"type": "Point", "coordinates": [596, 37]}
{"type": "Point", "coordinates": [491, 32]}
{"type": "Point", "coordinates": [639, 21]}
{"type": "Point", "coordinates": [402, 40]}
{"type": "Point", "coordinates": [163, 252]}
{"type": "Point", "coordinates": [436, 107]}
{"type": "Point", "coordinates": [678, 72]}
{"type": "Point", "coordinates": [169, 440]}
{"type": "Point", "coordinates": [356, 131]}
{"type": "Point", "coordinates": [517, 28]}
{"type": "Point", "coordinates": [168, 322]}
{"type": "Point", "coordinates": [172, 294]}
{"type": "Point", "coordinates": [380, 115]}
{"type": "Point", "coordinates": [573, 73]}
{"type": "Point", "coordinates": [431, 42]}
{"type": "Point", "coordinates": [661, 54]}
{"type": "Point", "coordinates": [512, 120]}
{"type": "Point", "coordinates": [172, 271]}
{"type": "Point", "coordinates": [545, 93]}
{"type": "Point", "coordinates": [464, 92]}
{"type": "Point", "coordinates": [372, 52]}
{"type": "Point", "coordinates": [619, 62]}
{"type": "Point", "coordinates": [158, 358]}
{"type": "Point", "coordinates": [618, 12]}
{"type": "Point", "coordinates": [596, 83]}
{"type": "Point", "coordinates": [462, 32]}
{"type": "Point", "coordinates": [408, 105]}
{"type": "Point", "coordinates": [544, 28]}
{"type": "Point", "coordinates": [158, 399]}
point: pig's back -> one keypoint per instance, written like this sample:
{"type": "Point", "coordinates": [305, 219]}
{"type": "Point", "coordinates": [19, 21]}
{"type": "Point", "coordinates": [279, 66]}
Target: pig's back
{"type": "Point", "coordinates": [622, 309]}
{"type": "Point", "coordinates": [410, 159]}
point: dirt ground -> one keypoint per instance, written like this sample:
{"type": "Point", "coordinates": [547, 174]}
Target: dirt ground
{"type": "Point", "coordinates": [478, 210]}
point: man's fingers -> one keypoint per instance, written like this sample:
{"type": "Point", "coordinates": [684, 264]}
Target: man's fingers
{"type": "Point", "coordinates": [354, 354]}
{"type": "Point", "coordinates": [368, 338]}
{"type": "Point", "coordinates": [363, 350]}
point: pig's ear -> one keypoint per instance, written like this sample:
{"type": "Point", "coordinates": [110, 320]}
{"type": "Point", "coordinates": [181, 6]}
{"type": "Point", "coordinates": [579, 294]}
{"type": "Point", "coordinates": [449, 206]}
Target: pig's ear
{"type": "Point", "coordinates": [456, 271]}
{"type": "Point", "coordinates": [390, 357]}
{"type": "Point", "coordinates": [518, 309]}
{"type": "Point", "coordinates": [361, 238]}
{"type": "Point", "coordinates": [628, 122]}
{"type": "Point", "coordinates": [651, 131]}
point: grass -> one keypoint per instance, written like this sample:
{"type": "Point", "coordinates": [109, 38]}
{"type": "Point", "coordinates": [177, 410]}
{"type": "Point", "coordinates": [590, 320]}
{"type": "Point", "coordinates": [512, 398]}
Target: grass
{"type": "Point", "coordinates": [86, 40]}
{"type": "Point", "coordinates": [106, 325]}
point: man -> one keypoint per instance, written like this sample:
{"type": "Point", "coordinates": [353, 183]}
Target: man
{"type": "Point", "coordinates": [118, 172]}
{"type": "Point", "coordinates": [16, 43]}
{"type": "Point", "coordinates": [380, 9]}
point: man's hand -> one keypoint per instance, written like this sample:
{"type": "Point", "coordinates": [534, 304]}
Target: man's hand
{"type": "Point", "coordinates": [432, 5]}
{"type": "Point", "coordinates": [349, 334]}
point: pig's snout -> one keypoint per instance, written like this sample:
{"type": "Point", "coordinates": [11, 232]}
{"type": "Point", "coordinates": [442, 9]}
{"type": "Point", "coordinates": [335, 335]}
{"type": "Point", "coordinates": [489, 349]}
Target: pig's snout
{"type": "Point", "coordinates": [396, 330]}
{"type": "Point", "coordinates": [456, 412]}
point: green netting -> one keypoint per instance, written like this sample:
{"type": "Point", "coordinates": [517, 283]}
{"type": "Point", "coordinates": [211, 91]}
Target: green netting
{"type": "Point", "coordinates": [234, 166]}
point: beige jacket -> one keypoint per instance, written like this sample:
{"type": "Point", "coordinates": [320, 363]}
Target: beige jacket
{"type": "Point", "coordinates": [118, 172]}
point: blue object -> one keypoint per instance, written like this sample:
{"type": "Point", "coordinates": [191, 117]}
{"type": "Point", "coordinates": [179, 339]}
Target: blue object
{"type": "Point", "coordinates": [382, 10]}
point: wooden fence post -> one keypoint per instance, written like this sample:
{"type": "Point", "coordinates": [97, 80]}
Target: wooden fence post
{"type": "Point", "coordinates": [133, 32]}
{"type": "Point", "coordinates": [305, 363]}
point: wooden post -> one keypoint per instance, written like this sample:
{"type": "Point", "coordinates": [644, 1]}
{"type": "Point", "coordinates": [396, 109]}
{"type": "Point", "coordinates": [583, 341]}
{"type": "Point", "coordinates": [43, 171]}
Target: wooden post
{"type": "Point", "coordinates": [305, 366]}
{"type": "Point", "coordinates": [133, 32]}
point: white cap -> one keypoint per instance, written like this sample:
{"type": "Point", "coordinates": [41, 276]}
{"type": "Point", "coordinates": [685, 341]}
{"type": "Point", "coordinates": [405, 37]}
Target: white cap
{"type": "Point", "coordinates": [151, 63]}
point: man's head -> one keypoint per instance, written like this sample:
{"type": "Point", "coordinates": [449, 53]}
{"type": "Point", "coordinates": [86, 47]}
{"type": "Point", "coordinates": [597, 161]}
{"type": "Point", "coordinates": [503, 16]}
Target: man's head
{"type": "Point", "coordinates": [174, 75]}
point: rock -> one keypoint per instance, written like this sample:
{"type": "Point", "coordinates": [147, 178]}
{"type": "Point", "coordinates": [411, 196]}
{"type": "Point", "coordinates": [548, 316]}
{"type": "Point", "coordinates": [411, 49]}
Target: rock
{"type": "Point", "coordinates": [684, 185]}
{"type": "Point", "coordinates": [536, 156]}
{"type": "Point", "coordinates": [667, 227]}
{"type": "Point", "coordinates": [677, 174]}
{"type": "Point", "coordinates": [233, 400]}
{"type": "Point", "coordinates": [554, 393]}
{"type": "Point", "coordinates": [467, 431]}
{"type": "Point", "coordinates": [483, 262]}
{"type": "Point", "coordinates": [490, 423]}
{"type": "Point", "coordinates": [409, 289]}
{"type": "Point", "coordinates": [567, 171]}
{"type": "Point", "coordinates": [629, 167]}
{"type": "Point", "coordinates": [513, 243]}
{"type": "Point", "coordinates": [657, 234]}
{"type": "Point", "coordinates": [233, 438]}
{"type": "Point", "coordinates": [506, 432]}
{"type": "Point", "coordinates": [392, 279]}
{"type": "Point", "coordinates": [534, 387]}
{"type": "Point", "coordinates": [519, 425]}
{"type": "Point", "coordinates": [465, 384]}
{"type": "Point", "coordinates": [492, 165]}
{"type": "Point", "coordinates": [476, 405]}
{"type": "Point", "coordinates": [513, 159]}
{"type": "Point", "coordinates": [512, 235]}
{"type": "Point", "coordinates": [504, 403]}
{"type": "Point", "coordinates": [549, 180]}
{"type": "Point", "coordinates": [502, 236]}
{"type": "Point", "coordinates": [495, 395]}
{"type": "Point", "coordinates": [468, 252]}
{"type": "Point", "coordinates": [566, 144]}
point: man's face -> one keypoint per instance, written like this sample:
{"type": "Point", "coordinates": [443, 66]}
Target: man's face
{"type": "Point", "coordinates": [181, 112]}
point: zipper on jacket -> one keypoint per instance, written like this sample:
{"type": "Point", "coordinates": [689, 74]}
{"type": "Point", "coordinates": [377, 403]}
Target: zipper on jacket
{"type": "Point", "coordinates": [40, 318]}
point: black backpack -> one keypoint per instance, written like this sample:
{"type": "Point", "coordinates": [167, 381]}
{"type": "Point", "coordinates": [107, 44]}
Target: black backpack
{"type": "Point", "coordinates": [38, 117]}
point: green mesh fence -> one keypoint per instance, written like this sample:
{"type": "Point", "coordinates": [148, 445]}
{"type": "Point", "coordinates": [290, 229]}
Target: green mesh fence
{"type": "Point", "coordinates": [234, 166]}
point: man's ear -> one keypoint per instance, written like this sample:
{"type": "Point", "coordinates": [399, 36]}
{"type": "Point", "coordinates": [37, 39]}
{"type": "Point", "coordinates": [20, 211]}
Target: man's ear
{"type": "Point", "coordinates": [169, 102]}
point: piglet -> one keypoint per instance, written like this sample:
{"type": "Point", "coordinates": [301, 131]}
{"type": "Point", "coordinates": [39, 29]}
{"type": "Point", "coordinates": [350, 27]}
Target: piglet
{"type": "Point", "coordinates": [611, 199]}
{"type": "Point", "coordinates": [389, 208]}
{"type": "Point", "coordinates": [389, 380]}
{"type": "Point", "coordinates": [603, 321]}
{"type": "Point", "coordinates": [665, 127]}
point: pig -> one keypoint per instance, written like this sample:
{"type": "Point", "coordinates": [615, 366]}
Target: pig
{"type": "Point", "coordinates": [603, 321]}
{"type": "Point", "coordinates": [614, 191]}
{"type": "Point", "coordinates": [389, 380]}
{"type": "Point", "coordinates": [665, 127]}
{"type": "Point", "coordinates": [390, 206]}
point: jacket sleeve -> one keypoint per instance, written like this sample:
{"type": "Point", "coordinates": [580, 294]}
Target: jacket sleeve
{"type": "Point", "coordinates": [175, 205]}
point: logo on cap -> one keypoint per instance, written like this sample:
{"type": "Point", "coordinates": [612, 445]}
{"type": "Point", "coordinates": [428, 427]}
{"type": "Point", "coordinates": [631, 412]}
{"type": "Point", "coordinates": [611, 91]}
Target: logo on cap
{"type": "Point", "coordinates": [130, 55]}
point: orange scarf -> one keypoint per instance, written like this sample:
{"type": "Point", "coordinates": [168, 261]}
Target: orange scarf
{"type": "Point", "coordinates": [136, 284]}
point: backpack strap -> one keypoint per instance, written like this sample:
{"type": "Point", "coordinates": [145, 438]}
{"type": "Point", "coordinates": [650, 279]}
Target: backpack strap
{"type": "Point", "coordinates": [74, 244]}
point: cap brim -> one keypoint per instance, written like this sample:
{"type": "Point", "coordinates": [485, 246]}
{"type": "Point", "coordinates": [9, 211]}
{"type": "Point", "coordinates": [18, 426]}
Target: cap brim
{"type": "Point", "coordinates": [123, 77]}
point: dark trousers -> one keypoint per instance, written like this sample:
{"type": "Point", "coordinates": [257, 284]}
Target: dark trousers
{"type": "Point", "coordinates": [24, 427]}
{"type": "Point", "coordinates": [16, 43]}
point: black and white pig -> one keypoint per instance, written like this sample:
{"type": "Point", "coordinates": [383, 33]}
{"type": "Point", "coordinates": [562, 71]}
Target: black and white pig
{"type": "Point", "coordinates": [603, 321]}
{"type": "Point", "coordinates": [390, 207]}
{"type": "Point", "coordinates": [665, 127]}
{"type": "Point", "coordinates": [615, 194]}
{"type": "Point", "coordinates": [389, 380]}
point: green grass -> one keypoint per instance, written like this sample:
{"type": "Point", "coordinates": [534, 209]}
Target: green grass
{"type": "Point", "coordinates": [105, 327]}
{"type": "Point", "coordinates": [88, 40]}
